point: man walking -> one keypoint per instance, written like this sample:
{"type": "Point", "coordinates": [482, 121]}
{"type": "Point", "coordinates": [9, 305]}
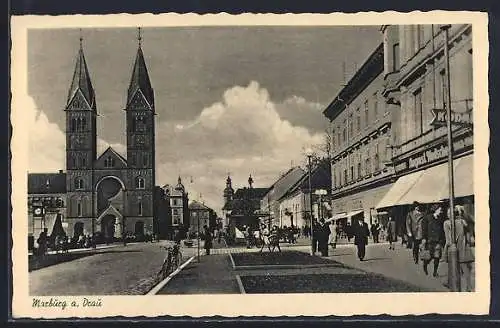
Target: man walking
{"type": "Point", "coordinates": [414, 228]}
{"type": "Point", "coordinates": [361, 233]}
{"type": "Point", "coordinates": [375, 229]}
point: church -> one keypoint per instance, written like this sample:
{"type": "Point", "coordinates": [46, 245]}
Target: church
{"type": "Point", "coordinates": [109, 194]}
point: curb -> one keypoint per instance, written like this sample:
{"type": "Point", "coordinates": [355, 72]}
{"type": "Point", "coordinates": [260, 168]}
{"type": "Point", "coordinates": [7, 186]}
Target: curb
{"type": "Point", "coordinates": [162, 283]}
{"type": "Point", "coordinates": [232, 261]}
{"type": "Point", "coordinates": [240, 284]}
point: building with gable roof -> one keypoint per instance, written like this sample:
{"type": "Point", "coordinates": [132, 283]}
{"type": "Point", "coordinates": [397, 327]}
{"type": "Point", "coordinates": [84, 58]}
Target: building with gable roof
{"type": "Point", "coordinates": [108, 194]}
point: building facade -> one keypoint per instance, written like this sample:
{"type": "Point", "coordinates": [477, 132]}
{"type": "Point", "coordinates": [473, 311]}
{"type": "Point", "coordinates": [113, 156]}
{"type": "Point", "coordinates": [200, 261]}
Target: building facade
{"type": "Point", "coordinates": [201, 216]}
{"type": "Point", "coordinates": [178, 202]}
{"type": "Point", "coordinates": [295, 204]}
{"type": "Point", "coordinates": [109, 195]}
{"type": "Point", "coordinates": [270, 205]}
{"type": "Point", "coordinates": [361, 127]}
{"type": "Point", "coordinates": [415, 86]}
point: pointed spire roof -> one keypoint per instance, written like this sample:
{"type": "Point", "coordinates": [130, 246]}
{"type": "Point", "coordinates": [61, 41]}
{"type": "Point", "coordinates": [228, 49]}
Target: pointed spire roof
{"type": "Point", "coordinates": [81, 80]}
{"type": "Point", "coordinates": [140, 78]}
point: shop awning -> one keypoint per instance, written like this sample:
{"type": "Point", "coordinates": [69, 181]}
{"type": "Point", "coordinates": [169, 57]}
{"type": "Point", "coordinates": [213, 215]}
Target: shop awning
{"type": "Point", "coordinates": [433, 185]}
{"type": "Point", "coordinates": [399, 189]}
{"type": "Point", "coordinates": [337, 216]}
{"type": "Point", "coordinates": [353, 213]}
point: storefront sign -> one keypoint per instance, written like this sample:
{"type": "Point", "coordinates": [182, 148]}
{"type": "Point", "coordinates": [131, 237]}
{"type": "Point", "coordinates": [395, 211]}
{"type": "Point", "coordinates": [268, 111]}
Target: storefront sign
{"type": "Point", "coordinates": [440, 117]}
{"type": "Point", "coordinates": [433, 154]}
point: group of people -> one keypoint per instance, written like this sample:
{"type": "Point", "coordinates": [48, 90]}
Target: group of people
{"type": "Point", "coordinates": [430, 235]}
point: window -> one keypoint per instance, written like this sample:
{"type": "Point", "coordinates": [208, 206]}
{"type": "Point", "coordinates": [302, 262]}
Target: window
{"type": "Point", "coordinates": [145, 160]}
{"type": "Point", "coordinates": [345, 176]}
{"type": "Point", "coordinates": [73, 160]}
{"type": "Point", "coordinates": [175, 211]}
{"type": "Point", "coordinates": [375, 105]}
{"type": "Point", "coordinates": [72, 127]}
{"type": "Point", "coordinates": [351, 124]}
{"type": "Point", "coordinates": [338, 137]}
{"type": "Point", "coordinates": [417, 112]}
{"type": "Point", "coordinates": [132, 159]}
{"type": "Point", "coordinates": [79, 208]}
{"type": "Point", "coordinates": [333, 138]}
{"type": "Point", "coordinates": [376, 162]}
{"type": "Point", "coordinates": [84, 161]}
{"type": "Point", "coordinates": [358, 122]}
{"type": "Point", "coordinates": [334, 178]}
{"type": "Point", "coordinates": [140, 124]}
{"type": "Point", "coordinates": [395, 57]}
{"type": "Point", "coordinates": [367, 167]}
{"type": "Point", "coordinates": [78, 183]}
{"type": "Point", "coordinates": [84, 124]}
{"type": "Point", "coordinates": [109, 162]}
{"type": "Point", "coordinates": [139, 183]}
{"type": "Point", "coordinates": [367, 118]}
{"type": "Point", "coordinates": [359, 169]}
{"type": "Point", "coordinates": [344, 136]}
{"type": "Point", "coordinates": [139, 208]}
{"type": "Point", "coordinates": [352, 173]}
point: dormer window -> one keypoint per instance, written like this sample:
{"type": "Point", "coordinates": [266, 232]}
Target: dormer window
{"type": "Point", "coordinates": [109, 162]}
{"type": "Point", "coordinates": [78, 183]}
{"type": "Point", "coordinates": [139, 183]}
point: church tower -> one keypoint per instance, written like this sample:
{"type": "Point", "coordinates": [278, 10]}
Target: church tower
{"type": "Point", "coordinates": [228, 191]}
{"type": "Point", "coordinates": [140, 114]}
{"type": "Point", "coordinates": [81, 144]}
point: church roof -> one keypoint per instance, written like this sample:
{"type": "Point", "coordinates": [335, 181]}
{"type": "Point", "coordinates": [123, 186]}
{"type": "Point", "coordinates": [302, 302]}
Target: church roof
{"type": "Point", "coordinates": [47, 183]}
{"type": "Point", "coordinates": [81, 81]}
{"type": "Point", "coordinates": [114, 153]}
{"type": "Point", "coordinates": [140, 80]}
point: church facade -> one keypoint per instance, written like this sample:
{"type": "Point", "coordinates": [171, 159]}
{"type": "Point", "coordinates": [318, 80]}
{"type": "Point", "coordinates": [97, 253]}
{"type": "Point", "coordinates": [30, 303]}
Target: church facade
{"type": "Point", "coordinates": [108, 194]}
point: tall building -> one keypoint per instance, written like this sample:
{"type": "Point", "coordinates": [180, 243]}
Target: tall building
{"type": "Point", "coordinates": [177, 198]}
{"type": "Point", "coordinates": [110, 194]}
{"type": "Point", "coordinates": [415, 87]}
{"type": "Point", "coordinates": [361, 131]}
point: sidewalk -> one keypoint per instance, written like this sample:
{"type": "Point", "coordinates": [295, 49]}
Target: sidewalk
{"type": "Point", "coordinates": [212, 275]}
{"type": "Point", "coordinates": [397, 264]}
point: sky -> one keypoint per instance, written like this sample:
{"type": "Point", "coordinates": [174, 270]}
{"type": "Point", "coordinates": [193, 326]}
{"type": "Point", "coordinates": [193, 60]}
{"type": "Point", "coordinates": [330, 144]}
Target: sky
{"type": "Point", "coordinates": [238, 100]}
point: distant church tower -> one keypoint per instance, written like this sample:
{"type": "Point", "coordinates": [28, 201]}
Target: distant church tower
{"type": "Point", "coordinates": [228, 191]}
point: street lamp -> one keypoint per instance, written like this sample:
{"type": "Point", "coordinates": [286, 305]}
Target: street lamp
{"type": "Point", "coordinates": [453, 275]}
{"type": "Point", "coordinates": [309, 154]}
{"type": "Point", "coordinates": [320, 192]}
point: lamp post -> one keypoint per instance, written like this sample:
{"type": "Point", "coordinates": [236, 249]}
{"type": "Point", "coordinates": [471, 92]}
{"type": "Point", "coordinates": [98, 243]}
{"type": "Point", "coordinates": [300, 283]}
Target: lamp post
{"type": "Point", "coordinates": [453, 274]}
{"type": "Point", "coordinates": [309, 155]}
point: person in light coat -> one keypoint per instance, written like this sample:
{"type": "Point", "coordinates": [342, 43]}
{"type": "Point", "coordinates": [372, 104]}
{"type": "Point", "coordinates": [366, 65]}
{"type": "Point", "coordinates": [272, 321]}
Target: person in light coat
{"type": "Point", "coordinates": [333, 234]}
{"type": "Point", "coordinates": [464, 248]}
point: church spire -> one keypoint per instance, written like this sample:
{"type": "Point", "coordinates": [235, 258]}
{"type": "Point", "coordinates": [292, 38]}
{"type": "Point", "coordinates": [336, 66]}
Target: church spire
{"type": "Point", "coordinates": [81, 80]}
{"type": "Point", "coordinates": [139, 82]}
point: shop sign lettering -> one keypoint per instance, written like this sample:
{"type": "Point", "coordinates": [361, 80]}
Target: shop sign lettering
{"type": "Point", "coordinates": [441, 117]}
{"type": "Point", "coordinates": [432, 155]}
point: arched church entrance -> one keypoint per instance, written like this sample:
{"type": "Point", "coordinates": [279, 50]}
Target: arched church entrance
{"type": "Point", "coordinates": [110, 192]}
{"type": "Point", "coordinates": [108, 223]}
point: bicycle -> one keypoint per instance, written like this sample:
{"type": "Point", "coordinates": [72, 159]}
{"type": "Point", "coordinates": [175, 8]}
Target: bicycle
{"type": "Point", "coordinates": [172, 260]}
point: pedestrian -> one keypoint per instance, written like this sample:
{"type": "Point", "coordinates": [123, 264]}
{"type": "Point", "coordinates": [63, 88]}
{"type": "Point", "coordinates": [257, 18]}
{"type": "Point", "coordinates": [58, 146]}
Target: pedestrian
{"type": "Point", "coordinates": [391, 231]}
{"type": "Point", "coordinates": [375, 230]}
{"type": "Point", "coordinates": [323, 233]}
{"type": "Point", "coordinates": [361, 233]}
{"type": "Point", "coordinates": [349, 231]}
{"type": "Point", "coordinates": [332, 239]}
{"type": "Point", "coordinates": [207, 240]}
{"type": "Point", "coordinates": [464, 248]}
{"type": "Point", "coordinates": [414, 229]}
{"type": "Point", "coordinates": [42, 242]}
{"type": "Point", "coordinates": [433, 238]}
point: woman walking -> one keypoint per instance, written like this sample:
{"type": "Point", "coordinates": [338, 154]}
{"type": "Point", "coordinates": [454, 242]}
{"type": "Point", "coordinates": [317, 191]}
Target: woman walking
{"type": "Point", "coordinates": [333, 234]}
{"type": "Point", "coordinates": [391, 232]}
{"type": "Point", "coordinates": [464, 248]}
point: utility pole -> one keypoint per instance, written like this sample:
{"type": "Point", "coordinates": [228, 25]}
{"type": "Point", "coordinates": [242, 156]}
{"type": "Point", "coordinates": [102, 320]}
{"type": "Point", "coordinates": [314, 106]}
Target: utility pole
{"type": "Point", "coordinates": [453, 274]}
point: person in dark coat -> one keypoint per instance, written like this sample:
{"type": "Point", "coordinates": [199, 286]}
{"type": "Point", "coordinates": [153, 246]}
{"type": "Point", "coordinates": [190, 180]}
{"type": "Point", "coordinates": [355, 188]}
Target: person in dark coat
{"type": "Point", "coordinates": [323, 233]}
{"type": "Point", "coordinates": [207, 238]}
{"type": "Point", "coordinates": [391, 232]}
{"type": "Point", "coordinates": [433, 237]}
{"type": "Point", "coordinates": [361, 233]}
{"type": "Point", "coordinates": [42, 242]}
{"type": "Point", "coordinates": [414, 228]}
{"type": "Point", "coordinates": [375, 230]}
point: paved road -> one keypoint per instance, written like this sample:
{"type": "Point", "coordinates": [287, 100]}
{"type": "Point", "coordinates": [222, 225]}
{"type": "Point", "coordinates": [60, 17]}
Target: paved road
{"type": "Point", "coordinates": [115, 271]}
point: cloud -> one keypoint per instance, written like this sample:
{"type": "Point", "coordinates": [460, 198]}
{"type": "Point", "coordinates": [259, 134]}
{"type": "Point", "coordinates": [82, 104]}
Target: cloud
{"type": "Point", "coordinates": [242, 134]}
{"type": "Point", "coordinates": [299, 111]}
{"type": "Point", "coordinates": [47, 142]}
